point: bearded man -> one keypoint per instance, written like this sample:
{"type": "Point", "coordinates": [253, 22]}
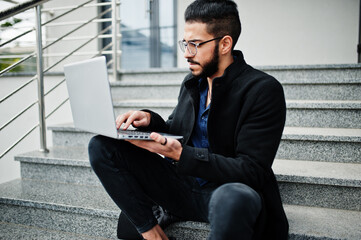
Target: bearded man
{"type": "Point", "coordinates": [231, 117]}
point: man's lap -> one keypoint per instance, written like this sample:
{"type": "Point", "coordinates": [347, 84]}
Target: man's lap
{"type": "Point", "coordinates": [158, 178]}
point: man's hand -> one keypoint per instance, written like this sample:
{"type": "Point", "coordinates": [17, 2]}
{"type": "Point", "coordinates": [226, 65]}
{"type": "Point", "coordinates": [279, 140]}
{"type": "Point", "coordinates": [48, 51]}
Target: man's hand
{"type": "Point", "coordinates": [168, 147]}
{"type": "Point", "coordinates": [136, 118]}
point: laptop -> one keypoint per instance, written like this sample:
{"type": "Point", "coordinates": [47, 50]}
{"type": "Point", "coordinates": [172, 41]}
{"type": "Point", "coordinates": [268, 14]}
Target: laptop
{"type": "Point", "coordinates": [91, 101]}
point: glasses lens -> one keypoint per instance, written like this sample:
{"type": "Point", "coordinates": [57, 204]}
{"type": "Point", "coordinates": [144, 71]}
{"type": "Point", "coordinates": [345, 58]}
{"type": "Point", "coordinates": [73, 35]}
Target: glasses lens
{"type": "Point", "coordinates": [182, 45]}
{"type": "Point", "coordinates": [192, 48]}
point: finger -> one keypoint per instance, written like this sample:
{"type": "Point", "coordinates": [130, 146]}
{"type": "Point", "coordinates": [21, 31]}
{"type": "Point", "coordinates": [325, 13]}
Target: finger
{"type": "Point", "coordinates": [142, 119]}
{"type": "Point", "coordinates": [165, 141]}
{"type": "Point", "coordinates": [126, 119]}
{"type": "Point", "coordinates": [133, 117]}
{"type": "Point", "coordinates": [157, 137]}
{"type": "Point", "coordinates": [139, 122]}
{"type": "Point", "coordinates": [122, 118]}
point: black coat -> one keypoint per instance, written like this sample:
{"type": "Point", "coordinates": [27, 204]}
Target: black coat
{"type": "Point", "coordinates": [245, 124]}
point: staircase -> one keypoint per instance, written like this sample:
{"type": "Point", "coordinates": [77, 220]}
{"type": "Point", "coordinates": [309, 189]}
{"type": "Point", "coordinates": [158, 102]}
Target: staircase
{"type": "Point", "coordinates": [318, 164]}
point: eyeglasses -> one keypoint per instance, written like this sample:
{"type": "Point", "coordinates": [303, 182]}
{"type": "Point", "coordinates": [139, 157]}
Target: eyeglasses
{"type": "Point", "coordinates": [192, 46]}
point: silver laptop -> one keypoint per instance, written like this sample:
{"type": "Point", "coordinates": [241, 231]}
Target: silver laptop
{"type": "Point", "coordinates": [91, 100]}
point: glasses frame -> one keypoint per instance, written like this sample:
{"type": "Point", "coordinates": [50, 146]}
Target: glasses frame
{"type": "Point", "coordinates": [183, 45]}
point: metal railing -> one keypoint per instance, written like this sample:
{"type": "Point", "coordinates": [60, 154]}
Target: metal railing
{"type": "Point", "coordinates": [110, 49]}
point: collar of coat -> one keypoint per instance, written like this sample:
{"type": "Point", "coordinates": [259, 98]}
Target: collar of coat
{"type": "Point", "coordinates": [231, 72]}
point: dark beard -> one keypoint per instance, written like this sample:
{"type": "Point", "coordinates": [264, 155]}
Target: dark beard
{"type": "Point", "coordinates": [211, 67]}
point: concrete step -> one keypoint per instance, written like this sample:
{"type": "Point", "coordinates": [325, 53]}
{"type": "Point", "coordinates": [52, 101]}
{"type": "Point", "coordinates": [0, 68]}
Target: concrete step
{"type": "Point", "coordinates": [293, 90]}
{"type": "Point", "coordinates": [325, 73]}
{"type": "Point", "coordinates": [305, 113]}
{"type": "Point", "coordinates": [319, 184]}
{"type": "Point", "coordinates": [317, 82]}
{"type": "Point", "coordinates": [67, 135]}
{"type": "Point", "coordinates": [323, 91]}
{"type": "Point", "coordinates": [330, 114]}
{"type": "Point", "coordinates": [81, 209]}
{"type": "Point", "coordinates": [314, 144]}
{"type": "Point", "coordinates": [328, 73]}
{"type": "Point", "coordinates": [11, 231]}
{"type": "Point", "coordinates": [306, 223]}
{"type": "Point", "coordinates": [153, 75]}
{"type": "Point", "coordinates": [301, 182]}
{"type": "Point", "coordinates": [60, 164]}
{"type": "Point", "coordinates": [322, 223]}
{"type": "Point", "coordinates": [321, 144]}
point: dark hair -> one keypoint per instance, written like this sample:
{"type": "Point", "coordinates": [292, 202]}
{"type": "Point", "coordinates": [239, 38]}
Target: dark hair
{"type": "Point", "coordinates": [221, 17]}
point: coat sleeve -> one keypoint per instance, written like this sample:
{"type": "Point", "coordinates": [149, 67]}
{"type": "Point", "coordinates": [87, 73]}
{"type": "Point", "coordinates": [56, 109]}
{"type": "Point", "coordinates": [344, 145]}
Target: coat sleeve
{"type": "Point", "coordinates": [257, 139]}
{"type": "Point", "coordinates": [157, 123]}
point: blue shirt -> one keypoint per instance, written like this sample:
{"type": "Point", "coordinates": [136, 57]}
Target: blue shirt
{"type": "Point", "coordinates": [199, 136]}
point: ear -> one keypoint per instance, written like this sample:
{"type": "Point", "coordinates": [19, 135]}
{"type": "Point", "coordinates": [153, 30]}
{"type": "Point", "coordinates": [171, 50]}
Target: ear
{"type": "Point", "coordinates": [225, 45]}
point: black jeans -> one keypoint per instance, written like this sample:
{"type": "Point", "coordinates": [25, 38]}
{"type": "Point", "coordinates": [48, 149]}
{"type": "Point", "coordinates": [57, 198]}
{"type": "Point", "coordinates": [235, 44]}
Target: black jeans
{"type": "Point", "coordinates": [137, 180]}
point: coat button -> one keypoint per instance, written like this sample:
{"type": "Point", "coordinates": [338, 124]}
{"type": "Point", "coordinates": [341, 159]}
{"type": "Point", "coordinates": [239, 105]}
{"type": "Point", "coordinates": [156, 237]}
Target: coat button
{"type": "Point", "coordinates": [200, 155]}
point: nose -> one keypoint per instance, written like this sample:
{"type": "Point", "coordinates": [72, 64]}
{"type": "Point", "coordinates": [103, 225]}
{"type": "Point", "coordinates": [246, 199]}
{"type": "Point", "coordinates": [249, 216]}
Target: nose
{"type": "Point", "coordinates": [187, 54]}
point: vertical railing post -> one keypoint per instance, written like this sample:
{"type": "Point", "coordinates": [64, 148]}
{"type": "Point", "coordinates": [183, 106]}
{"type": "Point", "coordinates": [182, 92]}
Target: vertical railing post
{"type": "Point", "coordinates": [359, 36]}
{"type": "Point", "coordinates": [175, 33]}
{"type": "Point", "coordinates": [40, 76]}
{"type": "Point", "coordinates": [115, 39]}
{"type": "Point", "coordinates": [155, 46]}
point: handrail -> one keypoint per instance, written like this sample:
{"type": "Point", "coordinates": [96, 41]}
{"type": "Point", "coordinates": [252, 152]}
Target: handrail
{"type": "Point", "coordinates": [77, 28]}
{"type": "Point", "coordinates": [31, 55]}
{"type": "Point", "coordinates": [46, 23]}
{"type": "Point", "coordinates": [59, 39]}
{"type": "Point", "coordinates": [78, 22]}
{"type": "Point", "coordinates": [12, 1]}
{"type": "Point", "coordinates": [67, 12]}
{"type": "Point", "coordinates": [20, 8]}
{"type": "Point", "coordinates": [40, 71]}
{"type": "Point", "coordinates": [75, 50]}
{"type": "Point", "coordinates": [79, 53]}
{"type": "Point", "coordinates": [74, 6]}
{"type": "Point", "coordinates": [48, 115]}
{"type": "Point", "coordinates": [81, 38]}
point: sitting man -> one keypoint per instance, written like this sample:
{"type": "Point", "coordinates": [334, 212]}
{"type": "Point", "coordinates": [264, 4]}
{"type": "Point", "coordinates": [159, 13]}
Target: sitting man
{"type": "Point", "coordinates": [231, 117]}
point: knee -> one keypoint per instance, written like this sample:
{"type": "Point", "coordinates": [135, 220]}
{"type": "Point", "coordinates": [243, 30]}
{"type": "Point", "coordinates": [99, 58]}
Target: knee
{"type": "Point", "coordinates": [95, 142]}
{"type": "Point", "coordinates": [234, 199]}
{"type": "Point", "coordinates": [96, 150]}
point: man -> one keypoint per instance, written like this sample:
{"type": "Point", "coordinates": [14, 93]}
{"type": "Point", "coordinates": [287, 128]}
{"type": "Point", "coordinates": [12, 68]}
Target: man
{"type": "Point", "coordinates": [231, 116]}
